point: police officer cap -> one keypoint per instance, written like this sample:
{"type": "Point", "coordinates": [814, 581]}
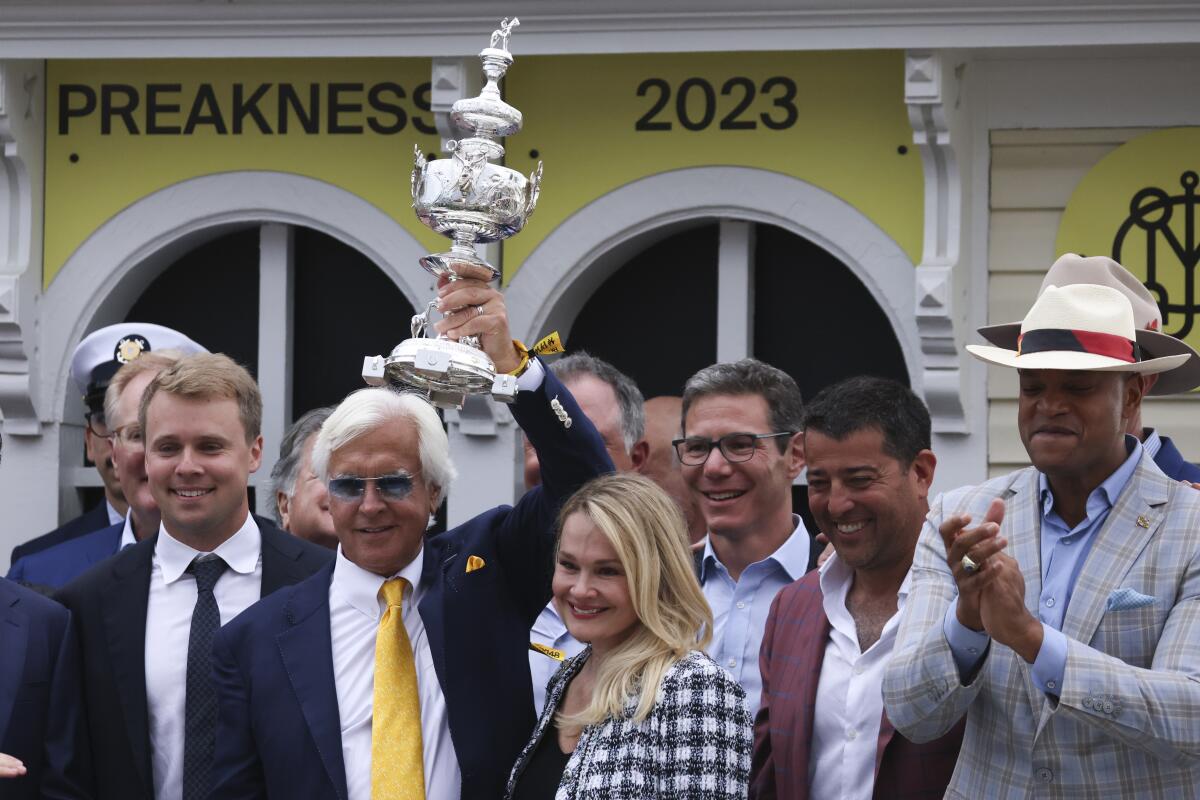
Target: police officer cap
{"type": "Point", "coordinates": [102, 352]}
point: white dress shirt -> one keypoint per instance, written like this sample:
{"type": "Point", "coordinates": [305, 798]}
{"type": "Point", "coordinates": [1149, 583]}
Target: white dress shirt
{"type": "Point", "coordinates": [849, 707]}
{"type": "Point", "coordinates": [127, 537]}
{"type": "Point", "coordinates": [114, 516]}
{"type": "Point", "coordinates": [740, 608]}
{"type": "Point", "coordinates": [168, 630]}
{"type": "Point", "coordinates": [354, 611]}
{"type": "Point", "coordinates": [550, 630]}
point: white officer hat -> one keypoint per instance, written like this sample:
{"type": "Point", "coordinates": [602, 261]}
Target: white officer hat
{"type": "Point", "coordinates": [102, 352]}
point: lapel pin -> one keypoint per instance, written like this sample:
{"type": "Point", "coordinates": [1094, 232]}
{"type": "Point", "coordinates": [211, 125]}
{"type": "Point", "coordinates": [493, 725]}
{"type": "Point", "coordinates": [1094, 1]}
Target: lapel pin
{"type": "Point", "coordinates": [1142, 522]}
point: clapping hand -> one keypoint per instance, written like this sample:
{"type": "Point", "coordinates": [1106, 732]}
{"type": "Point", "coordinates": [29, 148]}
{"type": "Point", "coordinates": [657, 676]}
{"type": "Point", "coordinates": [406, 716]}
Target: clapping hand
{"type": "Point", "coordinates": [11, 767]}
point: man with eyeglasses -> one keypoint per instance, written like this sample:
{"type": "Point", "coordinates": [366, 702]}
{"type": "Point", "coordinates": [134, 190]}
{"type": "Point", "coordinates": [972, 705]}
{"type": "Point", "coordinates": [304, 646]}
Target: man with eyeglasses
{"type": "Point", "coordinates": [741, 449]}
{"type": "Point", "coordinates": [401, 670]}
{"type": "Point", "coordinates": [96, 359]}
{"type": "Point", "coordinates": [146, 617]}
{"type": "Point", "coordinates": [57, 566]}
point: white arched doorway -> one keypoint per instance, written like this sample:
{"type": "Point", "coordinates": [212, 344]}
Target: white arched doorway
{"type": "Point", "coordinates": [578, 256]}
{"type": "Point", "coordinates": [102, 279]}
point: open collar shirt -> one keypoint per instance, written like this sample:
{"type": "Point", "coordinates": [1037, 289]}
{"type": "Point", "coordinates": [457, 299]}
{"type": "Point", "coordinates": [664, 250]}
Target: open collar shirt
{"type": "Point", "coordinates": [849, 706]}
{"type": "Point", "coordinates": [740, 608]}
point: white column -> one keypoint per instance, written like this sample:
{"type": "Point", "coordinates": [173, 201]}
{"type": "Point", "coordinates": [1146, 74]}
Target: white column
{"type": "Point", "coordinates": [275, 288]}
{"type": "Point", "coordinates": [483, 443]}
{"type": "Point", "coordinates": [735, 290]}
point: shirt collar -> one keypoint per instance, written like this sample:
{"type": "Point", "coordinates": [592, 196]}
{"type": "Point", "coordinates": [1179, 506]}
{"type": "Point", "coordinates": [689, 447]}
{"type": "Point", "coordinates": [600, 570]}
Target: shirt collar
{"type": "Point", "coordinates": [114, 516]}
{"type": "Point", "coordinates": [359, 588]}
{"type": "Point", "coordinates": [1104, 496]}
{"type": "Point", "coordinates": [127, 537]}
{"type": "Point", "coordinates": [241, 552]}
{"type": "Point", "coordinates": [835, 577]}
{"type": "Point", "coordinates": [1152, 443]}
{"type": "Point", "coordinates": [791, 556]}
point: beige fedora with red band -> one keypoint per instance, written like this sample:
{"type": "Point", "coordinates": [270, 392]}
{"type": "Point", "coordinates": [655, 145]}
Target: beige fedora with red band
{"type": "Point", "coordinates": [1072, 269]}
{"type": "Point", "coordinates": [1078, 327]}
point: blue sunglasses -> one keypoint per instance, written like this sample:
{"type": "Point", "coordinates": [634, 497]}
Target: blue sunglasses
{"type": "Point", "coordinates": [348, 489]}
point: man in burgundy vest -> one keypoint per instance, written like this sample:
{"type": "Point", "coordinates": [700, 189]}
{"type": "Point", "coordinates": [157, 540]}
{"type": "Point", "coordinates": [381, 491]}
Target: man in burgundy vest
{"type": "Point", "coordinates": [821, 730]}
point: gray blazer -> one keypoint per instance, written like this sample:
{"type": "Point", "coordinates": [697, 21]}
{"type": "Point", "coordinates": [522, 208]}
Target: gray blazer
{"type": "Point", "coordinates": [695, 745]}
{"type": "Point", "coordinates": [1127, 723]}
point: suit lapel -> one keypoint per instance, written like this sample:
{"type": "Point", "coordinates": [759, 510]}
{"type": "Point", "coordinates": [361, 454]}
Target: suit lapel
{"type": "Point", "coordinates": [1130, 525]}
{"type": "Point", "coordinates": [439, 555]}
{"type": "Point", "coordinates": [280, 558]}
{"type": "Point", "coordinates": [306, 648]}
{"type": "Point", "coordinates": [124, 615]}
{"type": "Point", "coordinates": [14, 632]}
{"type": "Point", "coordinates": [1022, 527]}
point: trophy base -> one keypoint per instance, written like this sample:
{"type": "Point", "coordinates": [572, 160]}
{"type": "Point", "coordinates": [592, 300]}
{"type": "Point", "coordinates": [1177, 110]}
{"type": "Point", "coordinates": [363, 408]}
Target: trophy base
{"type": "Point", "coordinates": [446, 371]}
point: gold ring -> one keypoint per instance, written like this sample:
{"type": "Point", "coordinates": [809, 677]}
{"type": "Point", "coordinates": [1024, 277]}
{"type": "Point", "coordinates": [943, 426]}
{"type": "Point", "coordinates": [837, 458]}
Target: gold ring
{"type": "Point", "coordinates": [969, 565]}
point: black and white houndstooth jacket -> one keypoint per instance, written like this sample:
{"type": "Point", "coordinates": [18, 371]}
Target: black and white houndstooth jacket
{"type": "Point", "coordinates": [694, 745]}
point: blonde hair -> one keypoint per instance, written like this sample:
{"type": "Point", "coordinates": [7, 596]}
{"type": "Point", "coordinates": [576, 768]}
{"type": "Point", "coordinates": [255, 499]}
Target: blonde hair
{"type": "Point", "coordinates": [157, 361]}
{"type": "Point", "coordinates": [646, 529]}
{"type": "Point", "coordinates": [209, 376]}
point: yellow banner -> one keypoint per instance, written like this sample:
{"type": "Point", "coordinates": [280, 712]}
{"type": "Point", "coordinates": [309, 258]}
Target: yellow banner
{"type": "Point", "coordinates": [1141, 205]}
{"type": "Point", "coordinates": [120, 130]}
{"type": "Point", "coordinates": [836, 119]}
{"type": "Point", "coordinates": [117, 131]}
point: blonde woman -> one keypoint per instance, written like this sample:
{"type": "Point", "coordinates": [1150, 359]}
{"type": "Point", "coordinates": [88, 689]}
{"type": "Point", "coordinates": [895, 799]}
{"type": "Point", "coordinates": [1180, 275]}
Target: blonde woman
{"type": "Point", "coordinates": [642, 712]}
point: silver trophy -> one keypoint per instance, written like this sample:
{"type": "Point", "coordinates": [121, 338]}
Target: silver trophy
{"type": "Point", "coordinates": [469, 199]}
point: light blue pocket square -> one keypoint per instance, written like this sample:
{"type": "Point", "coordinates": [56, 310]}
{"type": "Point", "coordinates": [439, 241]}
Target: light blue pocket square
{"type": "Point", "coordinates": [1127, 598]}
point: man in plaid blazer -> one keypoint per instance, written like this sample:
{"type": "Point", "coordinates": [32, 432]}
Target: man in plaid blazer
{"type": "Point", "coordinates": [1065, 626]}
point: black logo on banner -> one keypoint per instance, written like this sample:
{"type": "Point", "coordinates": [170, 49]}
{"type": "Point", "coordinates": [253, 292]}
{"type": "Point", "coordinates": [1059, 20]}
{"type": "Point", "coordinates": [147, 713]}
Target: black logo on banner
{"type": "Point", "coordinates": [1152, 211]}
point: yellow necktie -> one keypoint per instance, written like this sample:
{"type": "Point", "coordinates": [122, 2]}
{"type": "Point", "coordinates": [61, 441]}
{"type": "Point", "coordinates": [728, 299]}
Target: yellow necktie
{"type": "Point", "coordinates": [397, 768]}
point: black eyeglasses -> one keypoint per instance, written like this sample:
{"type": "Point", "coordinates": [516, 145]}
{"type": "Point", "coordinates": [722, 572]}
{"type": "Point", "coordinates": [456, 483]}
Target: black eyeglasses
{"type": "Point", "coordinates": [393, 488]}
{"type": "Point", "coordinates": [736, 447]}
{"type": "Point", "coordinates": [96, 424]}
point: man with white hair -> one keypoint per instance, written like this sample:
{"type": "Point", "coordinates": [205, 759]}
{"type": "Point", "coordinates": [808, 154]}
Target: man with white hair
{"type": "Point", "coordinates": [400, 670]}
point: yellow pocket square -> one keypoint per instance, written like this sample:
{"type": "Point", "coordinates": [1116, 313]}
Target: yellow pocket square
{"type": "Point", "coordinates": [474, 563]}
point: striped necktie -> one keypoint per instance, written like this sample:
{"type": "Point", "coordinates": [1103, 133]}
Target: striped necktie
{"type": "Point", "coordinates": [397, 766]}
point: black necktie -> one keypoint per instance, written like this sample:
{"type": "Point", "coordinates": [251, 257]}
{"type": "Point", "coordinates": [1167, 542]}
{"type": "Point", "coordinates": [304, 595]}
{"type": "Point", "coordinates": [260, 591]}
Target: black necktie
{"type": "Point", "coordinates": [200, 707]}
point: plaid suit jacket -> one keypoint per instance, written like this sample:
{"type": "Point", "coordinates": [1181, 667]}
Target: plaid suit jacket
{"type": "Point", "coordinates": [1127, 723]}
{"type": "Point", "coordinates": [793, 650]}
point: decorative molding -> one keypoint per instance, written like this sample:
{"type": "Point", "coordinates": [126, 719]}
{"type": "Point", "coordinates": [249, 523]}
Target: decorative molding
{"type": "Point", "coordinates": [568, 265]}
{"type": "Point", "coordinates": [20, 158]}
{"type": "Point", "coordinates": [452, 27]}
{"type": "Point", "coordinates": [928, 78]}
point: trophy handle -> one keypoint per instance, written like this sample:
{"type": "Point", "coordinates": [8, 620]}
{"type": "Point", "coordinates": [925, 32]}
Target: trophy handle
{"type": "Point", "coordinates": [421, 321]}
{"type": "Point", "coordinates": [532, 190]}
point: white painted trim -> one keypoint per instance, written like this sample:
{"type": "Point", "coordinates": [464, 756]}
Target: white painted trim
{"type": "Point", "coordinates": [101, 280]}
{"type": "Point", "coordinates": [429, 28]}
{"type": "Point", "coordinates": [563, 271]}
{"type": "Point", "coordinates": [735, 290]}
{"type": "Point", "coordinates": [276, 282]}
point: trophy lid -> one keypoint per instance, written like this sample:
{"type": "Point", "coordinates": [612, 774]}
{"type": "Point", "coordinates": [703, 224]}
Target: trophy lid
{"type": "Point", "coordinates": [487, 115]}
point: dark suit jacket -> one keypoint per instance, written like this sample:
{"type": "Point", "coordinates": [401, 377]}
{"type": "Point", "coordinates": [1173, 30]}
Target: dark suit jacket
{"type": "Point", "coordinates": [91, 520]}
{"type": "Point", "coordinates": [109, 607]}
{"type": "Point", "coordinates": [793, 650]}
{"type": "Point", "coordinates": [1171, 462]}
{"type": "Point", "coordinates": [57, 566]}
{"type": "Point", "coordinates": [40, 714]}
{"type": "Point", "coordinates": [278, 732]}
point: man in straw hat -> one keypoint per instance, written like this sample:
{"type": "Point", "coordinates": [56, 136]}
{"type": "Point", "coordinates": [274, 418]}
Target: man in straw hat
{"type": "Point", "coordinates": [1067, 621]}
{"type": "Point", "coordinates": [1069, 269]}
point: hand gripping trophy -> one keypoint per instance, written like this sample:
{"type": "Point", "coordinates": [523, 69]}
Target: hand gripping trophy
{"type": "Point", "coordinates": [469, 199]}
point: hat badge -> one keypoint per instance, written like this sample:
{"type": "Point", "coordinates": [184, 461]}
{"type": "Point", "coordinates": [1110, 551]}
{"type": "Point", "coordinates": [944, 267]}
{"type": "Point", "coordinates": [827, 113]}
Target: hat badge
{"type": "Point", "coordinates": [130, 347]}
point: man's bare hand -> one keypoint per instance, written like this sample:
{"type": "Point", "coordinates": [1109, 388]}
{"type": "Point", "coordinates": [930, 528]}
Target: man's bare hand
{"type": "Point", "coordinates": [11, 767]}
{"type": "Point", "coordinates": [1002, 608]}
{"type": "Point", "coordinates": [827, 552]}
{"type": "Point", "coordinates": [473, 307]}
{"type": "Point", "coordinates": [980, 543]}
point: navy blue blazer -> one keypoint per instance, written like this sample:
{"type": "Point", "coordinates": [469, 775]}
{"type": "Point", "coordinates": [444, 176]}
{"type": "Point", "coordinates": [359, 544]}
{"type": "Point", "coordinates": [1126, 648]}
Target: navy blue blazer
{"type": "Point", "coordinates": [1171, 462]}
{"type": "Point", "coordinates": [57, 566]}
{"type": "Point", "coordinates": [279, 729]}
{"type": "Point", "coordinates": [91, 520]}
{"type": "Point", "coordinates": [40, 708]}
{"type": "Point", "coordinates": [108, 609]}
